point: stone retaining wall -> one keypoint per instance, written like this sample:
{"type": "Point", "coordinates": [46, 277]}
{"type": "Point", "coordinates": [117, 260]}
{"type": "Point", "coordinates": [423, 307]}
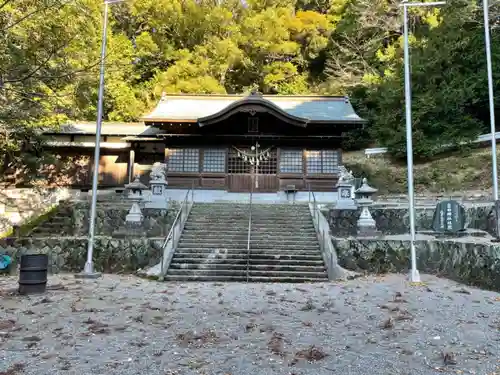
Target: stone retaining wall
{"type": "Point", "coordinates": [391, 221]}
{"type": "Point", "coordinates": [73, 220]}
{"type": "Point", "coordinates": [473, 263]}
{"type": "Point", "coordinates": [69, 254]}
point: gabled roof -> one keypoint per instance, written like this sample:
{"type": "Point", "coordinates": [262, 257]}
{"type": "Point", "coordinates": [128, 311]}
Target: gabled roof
{"type": "Point", "coordinates": [107, 128]}
{"type": "Point", "coordinates": [195, 108]}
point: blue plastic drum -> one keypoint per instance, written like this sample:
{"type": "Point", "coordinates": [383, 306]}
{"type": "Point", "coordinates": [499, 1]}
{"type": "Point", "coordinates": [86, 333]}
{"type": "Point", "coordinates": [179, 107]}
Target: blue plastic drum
{"type": "Point", "coordinates": [5, 261]}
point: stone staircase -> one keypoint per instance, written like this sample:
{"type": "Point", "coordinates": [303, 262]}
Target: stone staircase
{"type": "Point", "coordinates": [61, 222]}
{"type": "Point", "coordinates": [283, 247]}
{"type": "Point", "coordinates": [58, 224]}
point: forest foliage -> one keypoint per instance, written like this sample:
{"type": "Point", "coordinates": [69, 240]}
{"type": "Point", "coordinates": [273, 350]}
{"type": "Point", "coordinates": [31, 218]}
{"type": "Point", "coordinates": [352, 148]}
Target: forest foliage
{"type": "Point", "coordinates": [49, 62]}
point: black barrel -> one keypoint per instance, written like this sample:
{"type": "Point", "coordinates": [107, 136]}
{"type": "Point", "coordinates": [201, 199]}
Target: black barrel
{"type": "Point", "coordinates": [33, 273]}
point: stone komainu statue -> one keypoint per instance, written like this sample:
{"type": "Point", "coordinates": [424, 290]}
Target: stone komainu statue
{"type": "Point", "coordinates": [158, 171]}
{"type": "Point", "coordinates": [345, 175]}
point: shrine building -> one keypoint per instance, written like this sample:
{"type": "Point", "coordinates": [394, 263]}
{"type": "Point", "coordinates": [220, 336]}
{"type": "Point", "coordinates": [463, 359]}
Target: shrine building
{"type": "Point", "coordinates": [234, 143]}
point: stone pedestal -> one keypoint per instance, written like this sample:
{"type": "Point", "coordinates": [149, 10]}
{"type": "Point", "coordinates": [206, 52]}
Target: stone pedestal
{"type": "Point", "coordinates": [366, 224]}
{"type": "Point", "coordinates": [345, 196]}
{"type": "Point", "coordinates": [158, 185]}
{"type": "Point", "coordinates": [159, 199]}
{"type": "Point", "coordinates": [135, 215]}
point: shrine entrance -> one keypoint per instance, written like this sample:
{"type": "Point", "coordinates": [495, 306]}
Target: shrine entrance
{"type": "Point", "coordinates": [253, 168]}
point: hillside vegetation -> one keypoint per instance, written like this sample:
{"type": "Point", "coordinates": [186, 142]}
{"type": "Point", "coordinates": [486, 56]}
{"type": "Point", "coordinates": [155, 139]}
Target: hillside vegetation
{"type": "Point", "coordinates": [50, 60]}
{"type": "Point", "coordinates": [449, 173]}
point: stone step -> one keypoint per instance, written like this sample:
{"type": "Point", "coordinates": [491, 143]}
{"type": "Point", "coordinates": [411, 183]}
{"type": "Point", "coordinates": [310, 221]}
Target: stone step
{"type": "Point", "coordinates": [296, 216]}
{"type": "Point", "coordinates": [244, 279]}
{"type": "Point", "coordinates": [51, 231]}
{"type": "Point", "coordinates": [244, 226]}
{"type": "Point", "coordinates": [197, 278]}
{"type": "Point", "coordinates": [310, 233]}
{"type": "Point", "coordinates": [240, 236]}
{"type": "Point", "coordinates": [247, 212]}
{"type": "Point", "coordinates": [242, 222]}
{"type": "Point", "coordinates": [254, 210]}
{"type": "Point", "coordinates": [50, 224]}
{"type": "Point", "coordinates": [233, 272]}
{"type": "Point", "coordinates": [256, 253]}
{"type": "Point", "coordinates": [252, 260]}
{"type": "Point", "coordinates": [243, 245]}
{"type": "Point", "coordinates": [237, 254]}
{"type": "Point", "coordinates": [243, 239]}
{"type": "Point", "coordinates": [246, 204]}
{"type": "Point", "coordinates": [243, 266]}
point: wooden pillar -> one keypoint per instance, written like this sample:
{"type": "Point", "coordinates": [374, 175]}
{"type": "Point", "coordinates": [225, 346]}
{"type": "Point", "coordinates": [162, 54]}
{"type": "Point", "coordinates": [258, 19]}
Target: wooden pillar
{"type": "Point", "coordinates": [131, 162]}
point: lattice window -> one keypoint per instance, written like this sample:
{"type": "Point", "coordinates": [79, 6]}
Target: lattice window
{"type": "Point", "coordinates": [237, 165]}
{"type": "Point", "coordinates": [330, 161]}
{"type": "Point", "coordinates": [313, 159]}
{"type": "Point", "coordinates": [191, 160]}
{"type": "Point", "coordinates": [175, 160]}
{"type": "Point", "coordinates": [184, 160]}
{"type": "Point", "coordinates": [322, 161]}
{"type": "Point", "coordinates": [291, 161]}
{"type": "Point", "coordinates": [214, 160]}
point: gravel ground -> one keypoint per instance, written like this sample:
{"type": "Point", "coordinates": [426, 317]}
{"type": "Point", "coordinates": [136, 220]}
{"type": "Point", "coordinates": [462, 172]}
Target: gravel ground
{"type": "Point", "coordinates": [126, 325]}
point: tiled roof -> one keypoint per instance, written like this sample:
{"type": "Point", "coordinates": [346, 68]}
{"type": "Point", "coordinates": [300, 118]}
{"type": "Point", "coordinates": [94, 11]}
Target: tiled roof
{"type": "Point", "coordinates": [313, 108]}
{"type": "Point", "coordinates": [108, 128]}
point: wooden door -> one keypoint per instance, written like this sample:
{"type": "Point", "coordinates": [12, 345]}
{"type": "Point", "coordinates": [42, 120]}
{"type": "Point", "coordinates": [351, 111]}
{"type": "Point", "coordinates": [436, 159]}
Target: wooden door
{"type": "Point", "coordinates": [243, 176]}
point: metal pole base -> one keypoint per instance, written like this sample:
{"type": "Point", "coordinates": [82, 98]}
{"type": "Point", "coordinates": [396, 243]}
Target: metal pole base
{"type": "Point", "coordinates": [414, 276]}
{"type": "Point", "coordinates": [88, 272]}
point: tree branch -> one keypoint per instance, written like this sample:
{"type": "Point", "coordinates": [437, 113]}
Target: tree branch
{"type": "Point", "coordinates": [25, 17]}
{"type": "Point", "coordinates": [43, 64]}
{"type": "Point", "coordinates": [5, 4]}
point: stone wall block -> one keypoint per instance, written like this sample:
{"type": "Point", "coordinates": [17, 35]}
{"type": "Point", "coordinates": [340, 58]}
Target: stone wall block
{"type": "Point", "coordinates": [473, 263]}
{"type": "Point", "coordinates": [393, 221]}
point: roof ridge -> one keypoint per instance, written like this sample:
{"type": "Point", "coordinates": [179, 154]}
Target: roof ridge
{"type": "Point", "coordinates": [230, 96]}
{"type": "Point", "coordinates": [83, 122]}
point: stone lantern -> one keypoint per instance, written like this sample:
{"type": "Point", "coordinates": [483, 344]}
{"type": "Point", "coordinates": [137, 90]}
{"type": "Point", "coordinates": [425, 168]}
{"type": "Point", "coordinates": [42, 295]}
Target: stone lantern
{"type": "Point", "coordinates": [366, 224]}
{"type": "Point", "coordinates": [135, 193]}
{"type": "Point", "coordinates": [135, 189]}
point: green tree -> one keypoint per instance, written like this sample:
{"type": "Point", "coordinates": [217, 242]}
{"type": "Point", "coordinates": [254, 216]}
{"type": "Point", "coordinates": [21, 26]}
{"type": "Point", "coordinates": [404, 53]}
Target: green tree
{"type": "Point", "coordinates": [36, 54]}
{"type": "Point", "coordinates": [449, 87]}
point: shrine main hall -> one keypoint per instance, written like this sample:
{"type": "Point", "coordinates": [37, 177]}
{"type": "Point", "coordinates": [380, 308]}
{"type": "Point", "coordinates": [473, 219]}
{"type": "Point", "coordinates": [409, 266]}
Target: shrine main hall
{"type": "Point", "coordinates": [259, 143]}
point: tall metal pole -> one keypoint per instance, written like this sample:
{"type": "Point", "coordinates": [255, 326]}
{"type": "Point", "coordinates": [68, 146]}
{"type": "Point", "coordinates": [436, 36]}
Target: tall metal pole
{"type": "Point", "coordinates": [491, 98]}
{"type": "Point", "coordinates": [414, 274]}
{"type": "Point", "coordinates": [88, 271]}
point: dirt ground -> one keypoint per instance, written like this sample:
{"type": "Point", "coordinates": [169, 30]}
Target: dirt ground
{"type": "Point", "coordinates": [126, 325]}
